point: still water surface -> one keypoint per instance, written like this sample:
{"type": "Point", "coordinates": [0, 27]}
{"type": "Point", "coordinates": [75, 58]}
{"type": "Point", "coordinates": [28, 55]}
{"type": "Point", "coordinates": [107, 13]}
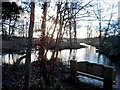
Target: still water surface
{"type": "Point", "coordinates": [84, 54]}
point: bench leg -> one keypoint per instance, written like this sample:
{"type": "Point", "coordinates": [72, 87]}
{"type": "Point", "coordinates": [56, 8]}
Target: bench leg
{"type": "Point", "coordinates": [108, 79]}
{"type": "Point", "coordinates": [73, 69]}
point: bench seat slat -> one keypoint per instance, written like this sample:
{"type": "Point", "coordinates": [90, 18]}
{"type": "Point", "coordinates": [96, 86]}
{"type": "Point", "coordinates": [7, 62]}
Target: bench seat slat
{"type": "Point", "coordinates": [91, 76]}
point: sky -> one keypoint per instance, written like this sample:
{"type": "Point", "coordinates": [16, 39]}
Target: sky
{"type": "Point", "coordinates": [82, 30]}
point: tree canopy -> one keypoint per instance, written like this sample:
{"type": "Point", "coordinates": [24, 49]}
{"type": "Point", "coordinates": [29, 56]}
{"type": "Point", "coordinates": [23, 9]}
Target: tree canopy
{"type": "Point", "coordinates": [10, 10]}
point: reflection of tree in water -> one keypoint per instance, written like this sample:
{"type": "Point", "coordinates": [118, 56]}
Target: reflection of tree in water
{"type": "Point", "coordinates": [72, 55]}
{"type": "Point", "coordinates": [9, 58]}
{"type": "Point", "coordinates": [90, 53]}
{"type": "Point", "coordinates": [87, 53]}
{"type": "Point", "coordinates": [69, 57]}
{"type": "Point", "coordinates": [3, 58]}
{"type": "Point", "coordinates": [98, 58]}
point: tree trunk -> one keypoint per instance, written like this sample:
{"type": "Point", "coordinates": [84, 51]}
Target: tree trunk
{"type": "Point", "coordinates": [9, 28]}
{"type": "Point", "coordinates": [75, 35]}
{"type": "Point", "coordinates": [3, 32]}
{"type": "Point", "coordinates": [100, 36]}
{"type": "Point", "coordinates": [44, 18]}
{"type": "Point", "coordinates": [28, 52]}
{"type": "Point", "coordinates": [69, 17]}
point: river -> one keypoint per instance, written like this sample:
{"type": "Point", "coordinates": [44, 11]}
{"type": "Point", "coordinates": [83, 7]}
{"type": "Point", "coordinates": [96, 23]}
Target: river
{"type": "Point", "coordinates": [84, 54]}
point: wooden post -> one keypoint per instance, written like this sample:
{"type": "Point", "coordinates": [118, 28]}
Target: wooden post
{"type": "Point", "coordinates": [73, 69]}
{"type": "Point", "coordinates": [108, 78]}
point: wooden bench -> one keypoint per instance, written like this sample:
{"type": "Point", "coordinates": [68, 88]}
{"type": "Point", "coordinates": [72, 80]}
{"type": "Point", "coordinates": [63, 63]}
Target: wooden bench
{"type": "Point", "coordinates": [95, 71]}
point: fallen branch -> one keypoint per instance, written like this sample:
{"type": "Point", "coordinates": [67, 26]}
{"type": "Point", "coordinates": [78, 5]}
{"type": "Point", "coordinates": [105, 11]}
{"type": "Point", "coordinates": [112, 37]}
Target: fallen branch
{"type": "Point", "coordinates": [19, 60]}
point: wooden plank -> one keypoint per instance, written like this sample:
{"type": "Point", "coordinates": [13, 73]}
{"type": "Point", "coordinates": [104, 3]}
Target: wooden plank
{"type": "Point", "coordinates": [95, 70]}
{"type": "Point", "coordinates": [91, 76]}
{"type": "Point", "coordinates": [91, 68]}
{"type": "Point", "coordinates": [113, 72]}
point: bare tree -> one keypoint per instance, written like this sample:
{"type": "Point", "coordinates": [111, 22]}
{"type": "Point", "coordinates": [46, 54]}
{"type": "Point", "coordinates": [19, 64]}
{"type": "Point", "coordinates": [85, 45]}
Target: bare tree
{"type": "Point", "coordinates": [64, 21]}
{"type": "Point", "coordinates": [98, 13]}
{"type": "Point", "coordinates": [112, 13]}
{"type": "Point", "coordinates": [102, 17]}
{"type": "Point", "coordinates": [28, 52]}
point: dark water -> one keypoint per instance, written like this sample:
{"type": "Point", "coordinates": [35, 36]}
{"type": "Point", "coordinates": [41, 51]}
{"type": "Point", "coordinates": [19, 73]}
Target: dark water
{"type": "Point", "coordinates": [83, 54]}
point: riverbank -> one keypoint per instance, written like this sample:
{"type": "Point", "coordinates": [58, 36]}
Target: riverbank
{"type": "Point", "coordinates": [110, 47]}
{"type": "Point", "coordinates": [81, 85]}
{"type": "Point", "coordinates": [16, 44]}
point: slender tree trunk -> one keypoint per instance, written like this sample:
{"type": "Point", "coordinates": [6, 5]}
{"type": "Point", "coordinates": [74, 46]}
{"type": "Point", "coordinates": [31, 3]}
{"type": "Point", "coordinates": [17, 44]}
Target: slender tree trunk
{"type": "Point", "coordinates": [69, 17]}
{"type": "Point", "coordinates": [75, 35]}
{"type": "Point", "coordinates": [100, 36]}
{"type": "Point", "coordinates": [100, 31]}
{"type": "Point", "coordinates": [28, 52]}
{"type": "Point", "coordinates": [57, 40]}
{"type": "Point", "coordinates": [12, 32]}
{"type": "Point", "coordinates": [3, 32]}
{"type": "Point", "coordinates": [44, 18]}
{"type": "Point", "coordinates": [9, 28]}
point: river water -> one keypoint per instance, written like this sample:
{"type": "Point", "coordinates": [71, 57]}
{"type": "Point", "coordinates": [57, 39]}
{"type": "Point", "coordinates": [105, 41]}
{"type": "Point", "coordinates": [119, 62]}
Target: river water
{"type": "Point", "coordinates": [84, 54]}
